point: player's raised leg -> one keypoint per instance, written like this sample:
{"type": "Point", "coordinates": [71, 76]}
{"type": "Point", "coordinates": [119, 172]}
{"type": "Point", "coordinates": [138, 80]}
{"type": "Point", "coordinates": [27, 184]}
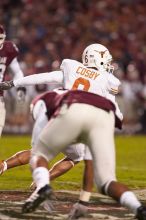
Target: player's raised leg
{"type": "Point", "coordinates": [61, 167]}
{"type": "Point", "coordinates": [18, 159]}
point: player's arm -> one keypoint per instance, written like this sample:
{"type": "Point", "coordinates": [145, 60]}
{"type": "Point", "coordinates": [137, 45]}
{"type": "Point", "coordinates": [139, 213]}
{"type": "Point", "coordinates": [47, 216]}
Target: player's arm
{"type": "Point", "coordinates": [113, 84]}
{"type": "Point", "coordinates": [114, 87]}
{"type": "Point", "coordinates": [41, 78]}
{"type": "Point", "coordinates": [17, 74]}
{"type": "Point", "coordinates": [118, 112]}
{"type": "Point", "coordinates": [15, 69]}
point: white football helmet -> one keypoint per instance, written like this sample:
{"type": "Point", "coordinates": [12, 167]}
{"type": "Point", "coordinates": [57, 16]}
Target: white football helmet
{"type": "Point", "coordinates": [97, 56]}
{"type": "Point", "coordinates": [2, 36]}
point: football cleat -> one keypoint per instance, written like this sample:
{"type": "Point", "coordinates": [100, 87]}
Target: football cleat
{"type": "Point", "coordinates": [141, 213]}
{"type": "Point", "coordinates": [78, 210]}
{"type": "Point", "coordinates": [1, 167]}
{"type": "Point", "coordinates": [48, 206]}
{"type": "Point", "coordinates": [37, 197]}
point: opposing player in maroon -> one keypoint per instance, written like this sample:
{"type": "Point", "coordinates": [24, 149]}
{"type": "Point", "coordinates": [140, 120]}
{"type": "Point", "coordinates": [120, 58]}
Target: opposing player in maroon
{"type": "Point", "coordinates": [85, 117]}
{"type": "Point", "coordinates": [8, 58]}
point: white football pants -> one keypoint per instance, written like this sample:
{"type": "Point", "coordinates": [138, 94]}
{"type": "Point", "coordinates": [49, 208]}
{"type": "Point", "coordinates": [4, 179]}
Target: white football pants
{"type": "Point", "coordinates": [75, 152]}
{"type": "Point", "coordinates": [82, 123]}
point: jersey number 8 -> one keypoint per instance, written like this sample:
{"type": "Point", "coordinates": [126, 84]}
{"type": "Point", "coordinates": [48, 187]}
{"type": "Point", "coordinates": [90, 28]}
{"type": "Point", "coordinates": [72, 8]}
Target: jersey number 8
{"type": "Point", "coordinates": [81, 81]}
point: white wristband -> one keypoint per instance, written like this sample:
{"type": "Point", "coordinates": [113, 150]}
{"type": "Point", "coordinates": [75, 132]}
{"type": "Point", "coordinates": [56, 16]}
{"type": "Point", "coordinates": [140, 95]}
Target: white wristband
{"type": "Point", "coordinates": [84, 196]}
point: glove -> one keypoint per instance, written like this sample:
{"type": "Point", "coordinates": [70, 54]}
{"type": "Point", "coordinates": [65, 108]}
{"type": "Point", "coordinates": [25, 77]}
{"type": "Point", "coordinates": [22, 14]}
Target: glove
{"type": "Point", "coordinates": [6, 85]}
{"type": "Point", "coordinates": [79, 209]}
{"type": "Point", "coordinates": [21, 92]}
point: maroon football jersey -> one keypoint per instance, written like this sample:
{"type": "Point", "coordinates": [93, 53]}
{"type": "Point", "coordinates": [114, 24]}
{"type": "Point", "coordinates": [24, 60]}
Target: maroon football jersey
{"type": "Point", "coordinates": [8, 52]}
{"type": "Point", "coordinates": [54, 101]}
{"type": "Point", "coordinates": [78, 96]}
{"type": "Point", "coordinates": [51, 99]}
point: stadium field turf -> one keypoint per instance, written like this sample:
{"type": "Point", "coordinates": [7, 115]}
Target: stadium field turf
{"type": "Point", "coordinates": [131, 164]}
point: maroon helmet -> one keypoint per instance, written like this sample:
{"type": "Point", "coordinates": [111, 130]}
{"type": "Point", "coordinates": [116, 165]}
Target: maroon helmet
{"type": "Point", "coordinates": [2, 35]}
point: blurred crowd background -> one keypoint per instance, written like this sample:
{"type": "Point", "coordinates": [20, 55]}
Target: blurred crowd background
{"type": "Point", "coordinates": [48, 31]}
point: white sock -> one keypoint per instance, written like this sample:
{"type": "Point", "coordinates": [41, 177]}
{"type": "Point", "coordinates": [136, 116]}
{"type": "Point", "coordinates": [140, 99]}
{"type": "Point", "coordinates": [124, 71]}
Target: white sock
{"type": "Point", "coordinates": [5, 166]}
{"type": "Point", "coordinates": [41, 176]}
{"type": "Point", "coordinates": [129, 200]}
{"type": "Point", "coordinates": [85, 196]}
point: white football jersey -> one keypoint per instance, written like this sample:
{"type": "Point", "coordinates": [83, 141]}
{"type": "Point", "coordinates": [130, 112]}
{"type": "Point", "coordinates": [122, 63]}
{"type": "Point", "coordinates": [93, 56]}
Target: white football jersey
{"type": "Point", "coordinates": [74, 75]}
{"type": "Point", "coordinates": [77, 76]}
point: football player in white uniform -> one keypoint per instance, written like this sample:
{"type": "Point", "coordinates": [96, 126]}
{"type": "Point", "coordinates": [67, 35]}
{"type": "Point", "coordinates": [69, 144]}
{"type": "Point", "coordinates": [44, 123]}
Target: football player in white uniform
{"type": "Point", "coordinates": [93, 75]}
{"type": "Point", "coordinates": [8, 59]}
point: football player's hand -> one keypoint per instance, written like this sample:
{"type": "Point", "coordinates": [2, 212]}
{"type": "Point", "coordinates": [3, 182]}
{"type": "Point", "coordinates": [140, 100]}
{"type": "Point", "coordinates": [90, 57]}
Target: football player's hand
{"type": "Point", "coordinates": [6, 85]}
{"type": "Point", "coordinates": [48, 206]}
{"type": "Point", "coordinates": [21, 93]}
{"type": "Point", "coordinates": [78, 210]}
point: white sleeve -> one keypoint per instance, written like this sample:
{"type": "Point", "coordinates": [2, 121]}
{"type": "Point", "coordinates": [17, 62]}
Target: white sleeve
{"type": "Point", "coordinates": [114, 84]}
{"type": "Point", "coordinates": [118, 113]}
{"type": "Point", "coordinates": [41, 78]}
{"type": "Point", "coordinates": [15, 69]}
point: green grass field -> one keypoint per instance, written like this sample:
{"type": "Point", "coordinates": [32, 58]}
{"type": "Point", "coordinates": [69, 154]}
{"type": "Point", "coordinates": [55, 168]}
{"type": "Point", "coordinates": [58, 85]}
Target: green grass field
{"type": "Point", "coordinates": [131, 164]}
